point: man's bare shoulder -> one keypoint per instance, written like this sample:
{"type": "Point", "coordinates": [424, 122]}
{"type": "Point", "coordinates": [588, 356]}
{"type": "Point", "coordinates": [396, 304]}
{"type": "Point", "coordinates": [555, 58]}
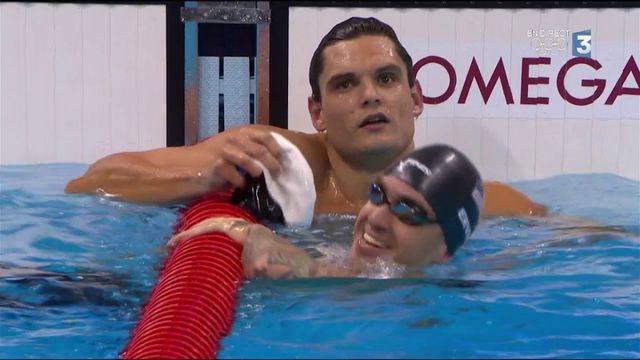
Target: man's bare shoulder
{"type": "Point", "coordinates": [501, 199]}
{"type": "Point", "coordinates": [299, 138]}
{"type": "Point", "coordinates": [304, 141]}
{"type": "Point", "coordinates": [312, 146]}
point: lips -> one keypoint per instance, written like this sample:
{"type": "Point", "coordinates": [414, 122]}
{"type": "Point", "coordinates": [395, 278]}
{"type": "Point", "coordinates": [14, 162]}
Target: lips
{"type": "Point", "coordinates": [374, 119]}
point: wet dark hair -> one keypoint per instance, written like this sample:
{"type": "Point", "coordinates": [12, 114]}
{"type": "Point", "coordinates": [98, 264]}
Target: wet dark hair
{"type": "Point", "coordinates": [351, 29]}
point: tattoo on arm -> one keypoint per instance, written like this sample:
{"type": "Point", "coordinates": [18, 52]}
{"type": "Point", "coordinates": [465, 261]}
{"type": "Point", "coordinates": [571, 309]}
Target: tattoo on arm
{"type": "Point", "coordinates": [297, 265]}
{"type": "Point", "coordinates": [283, 260]}
{"type": "Point", "coordinates": [266, 252]}
{"type": "Point", "coordinates": [302, 265]}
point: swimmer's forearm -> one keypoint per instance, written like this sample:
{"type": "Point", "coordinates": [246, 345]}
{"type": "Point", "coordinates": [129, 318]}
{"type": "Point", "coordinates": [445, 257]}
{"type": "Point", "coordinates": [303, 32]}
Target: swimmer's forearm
{"type": "Point", "coordinates": [136, 177]}
{"type": "Point", "coordinates": [572, 225]}
{"type": "Point", "coordinates": [287, 265]}
{"type": "Point", "coordinates": [273, 257]}
{"type": "Point", "coordinates": [265, 254]}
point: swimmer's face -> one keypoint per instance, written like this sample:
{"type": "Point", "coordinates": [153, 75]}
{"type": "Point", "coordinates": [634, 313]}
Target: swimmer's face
{"type": "Point", "coordinates": [378, 232]}
{"type": "Point", "coordinates": [366, 104]}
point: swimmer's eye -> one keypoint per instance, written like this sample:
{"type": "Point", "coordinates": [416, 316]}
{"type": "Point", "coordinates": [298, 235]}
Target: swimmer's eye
{"type": "Point", "coordinates": [387, 78]}
{"type": "Point", "coordinates": [344, 84]}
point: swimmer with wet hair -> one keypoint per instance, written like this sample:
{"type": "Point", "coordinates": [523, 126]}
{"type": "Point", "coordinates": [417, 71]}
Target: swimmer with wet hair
{"type": "Point", "coordinates": [419, 213]}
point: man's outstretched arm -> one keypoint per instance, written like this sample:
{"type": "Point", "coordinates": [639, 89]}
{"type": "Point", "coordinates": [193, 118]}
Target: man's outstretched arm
{"type": "Point", "coordinates": [178, 174]}
{"type": "Point", "coordinates": [264, 254]}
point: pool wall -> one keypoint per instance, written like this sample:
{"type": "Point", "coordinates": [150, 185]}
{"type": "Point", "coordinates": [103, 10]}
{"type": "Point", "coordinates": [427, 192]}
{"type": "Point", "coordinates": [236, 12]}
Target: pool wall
{"type": "Point", "coordinates": [78, 82]}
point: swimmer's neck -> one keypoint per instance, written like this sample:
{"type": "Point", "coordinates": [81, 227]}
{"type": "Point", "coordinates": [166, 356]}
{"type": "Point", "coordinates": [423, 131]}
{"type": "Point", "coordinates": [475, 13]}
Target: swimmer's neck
{"type": "Point", "coordinates": [350, 178]}
{"type": "Point", "coordinates": [335, 207]}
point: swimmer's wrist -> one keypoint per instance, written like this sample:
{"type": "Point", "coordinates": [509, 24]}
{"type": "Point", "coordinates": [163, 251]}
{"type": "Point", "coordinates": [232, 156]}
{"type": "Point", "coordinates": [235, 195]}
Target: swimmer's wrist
{"type": "Point", "coordinates": [283, 260]}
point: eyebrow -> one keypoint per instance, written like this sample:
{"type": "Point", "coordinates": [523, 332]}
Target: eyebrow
{"type": "Point", "coordinates": [341, 77]}
{"type": "Point", "coordinates": [352, 75]}
{"type": "Point", "coordinates": [389, 68]}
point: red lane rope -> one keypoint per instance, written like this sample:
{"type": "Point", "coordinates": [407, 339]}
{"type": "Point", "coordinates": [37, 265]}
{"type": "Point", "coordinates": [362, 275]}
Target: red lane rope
{"type": "Point", "coordinates": [191, 307]}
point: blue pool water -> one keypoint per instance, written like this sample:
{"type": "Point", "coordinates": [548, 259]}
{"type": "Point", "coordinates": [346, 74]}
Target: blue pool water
{"type": "Point", "coordinates": [74, 271]}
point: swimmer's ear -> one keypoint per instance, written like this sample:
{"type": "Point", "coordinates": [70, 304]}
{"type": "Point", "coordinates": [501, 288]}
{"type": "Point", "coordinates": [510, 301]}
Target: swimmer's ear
{"type": "Point", "coordinates": [315, 110]}
{"type": "Point", "coordinates": [416, 96]}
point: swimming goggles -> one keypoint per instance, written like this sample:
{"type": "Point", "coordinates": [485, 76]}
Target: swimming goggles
{"type": "Point", "coordinates": [405, 210]}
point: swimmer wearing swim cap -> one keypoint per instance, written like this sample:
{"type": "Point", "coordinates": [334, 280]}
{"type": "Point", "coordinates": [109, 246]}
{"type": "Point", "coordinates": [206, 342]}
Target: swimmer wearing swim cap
{"type": "Point", "coordinates": [422, 209]}
{"type": "Point", "coordinates": [419, 213]}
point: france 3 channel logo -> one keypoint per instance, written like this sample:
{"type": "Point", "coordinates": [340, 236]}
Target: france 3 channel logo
{"type": "Point", "coordinates": [582, 43]}
{"type": "Point", "coordinates": [556, 41]}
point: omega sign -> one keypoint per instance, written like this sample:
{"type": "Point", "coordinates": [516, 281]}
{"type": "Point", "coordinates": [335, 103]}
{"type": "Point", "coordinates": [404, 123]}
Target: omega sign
{"type": "Point", "coordinates": [499, 74]}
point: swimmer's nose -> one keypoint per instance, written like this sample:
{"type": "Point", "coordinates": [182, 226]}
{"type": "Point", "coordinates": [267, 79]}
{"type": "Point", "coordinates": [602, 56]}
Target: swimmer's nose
{"type": "Point", "coordinates": [380, 218]}
{"type": "Point", "coordinates": [370, 93]}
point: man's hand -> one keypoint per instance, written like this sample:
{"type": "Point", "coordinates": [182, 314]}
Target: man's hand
{"type": "Point", "coordinates": [236, 228]}
{"type": "Point", "coordinates": [241, 150]}
{"type": "Point", "coordinates": [179, 174]}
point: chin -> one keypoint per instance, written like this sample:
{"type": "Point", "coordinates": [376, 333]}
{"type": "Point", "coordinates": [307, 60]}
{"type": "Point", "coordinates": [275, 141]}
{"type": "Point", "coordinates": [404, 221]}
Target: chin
{"type": "Point", "coordinates": [355, 257]}
{"type": "Point", "coordinates": [380, 148]}
{"type": "Point", "coordinates": [389, 143]}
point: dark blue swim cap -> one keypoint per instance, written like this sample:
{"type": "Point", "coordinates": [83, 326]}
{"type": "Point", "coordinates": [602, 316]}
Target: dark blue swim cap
{"type": "Point", "coordinates": [452, 186]}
